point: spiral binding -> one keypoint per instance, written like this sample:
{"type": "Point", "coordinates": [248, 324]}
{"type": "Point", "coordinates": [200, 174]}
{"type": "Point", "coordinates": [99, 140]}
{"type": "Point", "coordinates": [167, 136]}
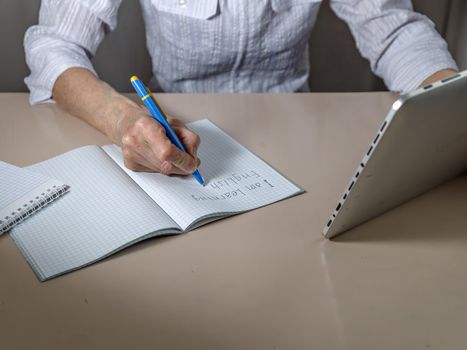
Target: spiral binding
{"type": "Point", "coordinates": [30, 208]}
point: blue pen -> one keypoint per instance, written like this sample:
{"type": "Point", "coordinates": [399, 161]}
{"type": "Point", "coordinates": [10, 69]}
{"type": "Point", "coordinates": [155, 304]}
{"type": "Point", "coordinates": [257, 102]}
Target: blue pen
{"type": "Point", "coordinates": [157, 113]}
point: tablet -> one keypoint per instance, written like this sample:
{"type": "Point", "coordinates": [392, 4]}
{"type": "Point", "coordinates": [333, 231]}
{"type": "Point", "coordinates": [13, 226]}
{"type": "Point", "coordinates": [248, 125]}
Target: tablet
{"type": "Point", "coordinates": [421, 143]}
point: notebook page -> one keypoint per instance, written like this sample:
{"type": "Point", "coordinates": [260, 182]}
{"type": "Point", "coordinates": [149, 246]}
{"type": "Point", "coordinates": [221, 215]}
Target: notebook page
{"type": "Point", "coordinates": [105, 211]}
{"type": "Point", "coordinates": [16, 182]}
{"type": "Point", "coordinates": [23, 192]}
{"type": "Point", "coordinates": [236, 180]}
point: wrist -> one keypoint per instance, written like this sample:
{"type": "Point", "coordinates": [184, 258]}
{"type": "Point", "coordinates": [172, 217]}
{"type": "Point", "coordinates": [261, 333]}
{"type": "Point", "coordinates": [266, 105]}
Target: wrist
{"type": "Point", "coordinates": [124, 114]}
{"type": "Point", "coordinates": [442, 74]}
{"type": "Point", "coordinates": [115, 113]}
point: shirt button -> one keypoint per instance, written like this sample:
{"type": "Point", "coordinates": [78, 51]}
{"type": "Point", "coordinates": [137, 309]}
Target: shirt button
{"type": "Point", "coordinates": [182, 3]}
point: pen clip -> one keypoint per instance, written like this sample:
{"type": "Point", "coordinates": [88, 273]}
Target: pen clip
{"type": "Point", "coordinates": [157, 104]}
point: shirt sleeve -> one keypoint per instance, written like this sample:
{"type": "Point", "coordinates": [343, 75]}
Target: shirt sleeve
{"type": "Point", "coordinates": [67, 35]}
{"type": "Point", "coordinates": [403, 46]}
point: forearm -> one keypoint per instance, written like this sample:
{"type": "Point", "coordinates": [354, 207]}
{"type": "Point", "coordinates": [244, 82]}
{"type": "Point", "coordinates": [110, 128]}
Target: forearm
{"type": "Point", "coordinates": [145, 145]}
{"type": "Point", "coordinates": [402, 46]}
{"type": "Point", "coordinates": [82, 94]}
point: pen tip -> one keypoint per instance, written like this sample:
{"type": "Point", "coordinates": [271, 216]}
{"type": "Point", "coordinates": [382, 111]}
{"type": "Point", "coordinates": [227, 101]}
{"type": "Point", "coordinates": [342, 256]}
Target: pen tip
{"type": "Point", "coordinates": [133, 78]}
{"type": "Point", "coordinates": [202, 182]}
{"type": "Point", "coordinates": [199, 178]}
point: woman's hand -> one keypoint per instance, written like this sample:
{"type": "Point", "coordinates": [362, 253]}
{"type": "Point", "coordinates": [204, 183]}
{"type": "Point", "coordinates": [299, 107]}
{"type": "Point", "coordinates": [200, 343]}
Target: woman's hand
{"type": "Point", "coordinates": [144, 142]}
{"type": "Point", "coordinates": [146, 146]}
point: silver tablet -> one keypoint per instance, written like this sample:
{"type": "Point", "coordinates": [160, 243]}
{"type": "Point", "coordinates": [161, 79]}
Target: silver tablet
{"type": "Point", "coordinates": [421, 144]}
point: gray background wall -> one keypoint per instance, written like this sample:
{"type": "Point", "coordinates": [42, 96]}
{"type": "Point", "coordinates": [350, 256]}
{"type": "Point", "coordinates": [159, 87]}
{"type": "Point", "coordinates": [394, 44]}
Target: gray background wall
{"type": "Point", "coordinates": [335, 63]}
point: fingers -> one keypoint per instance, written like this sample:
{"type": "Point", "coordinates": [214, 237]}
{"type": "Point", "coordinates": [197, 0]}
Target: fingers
{"type": "Point", "coordinates": [137, 162]}
{"type": "Point", "coordinates": [167, 152]}
{"type": "Point", "coordinates": [170, 155]}
{"type": "Point", "coordinates": [189, 139]}
{"type": "Point", "coordinates": [146, 148]}
{"type": "Point", "coordinates": [135, 166]}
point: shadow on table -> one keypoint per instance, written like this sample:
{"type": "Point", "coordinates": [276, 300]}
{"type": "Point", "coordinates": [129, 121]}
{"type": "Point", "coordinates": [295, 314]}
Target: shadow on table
{"type": "Point", "coordinates": [437, 216]}
{"type": "Point", "coordinates": [146, 244]}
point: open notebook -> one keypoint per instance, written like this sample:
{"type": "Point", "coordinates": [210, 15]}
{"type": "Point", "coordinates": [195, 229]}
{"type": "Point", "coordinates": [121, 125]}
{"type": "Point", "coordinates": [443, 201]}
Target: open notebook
{"type": "Point", "coordinates": [111, 207]}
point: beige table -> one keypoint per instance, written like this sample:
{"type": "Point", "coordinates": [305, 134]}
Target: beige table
{"type": "Point", "coordinates": [261, 280]}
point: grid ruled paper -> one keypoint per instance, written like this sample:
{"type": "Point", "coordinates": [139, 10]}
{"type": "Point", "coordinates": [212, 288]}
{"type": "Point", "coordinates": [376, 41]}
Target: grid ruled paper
{"type": "Point", "coordinates": [16, 182]}
{"type": "Point", "coordinates": [237, 180]}
{"type": "Point", "coordinates": [22, 192]}
{"type": "Point", "coordinates": [105, 211]}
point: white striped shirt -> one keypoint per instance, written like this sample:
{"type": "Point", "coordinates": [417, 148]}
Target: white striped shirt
{"type": "Point", "coordinates": [235, 45]}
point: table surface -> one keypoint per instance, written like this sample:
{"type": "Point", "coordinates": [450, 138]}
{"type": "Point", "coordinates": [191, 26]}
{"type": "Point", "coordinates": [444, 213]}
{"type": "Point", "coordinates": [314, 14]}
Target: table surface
{"type": "Point", "coordinates": [266, 279]}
